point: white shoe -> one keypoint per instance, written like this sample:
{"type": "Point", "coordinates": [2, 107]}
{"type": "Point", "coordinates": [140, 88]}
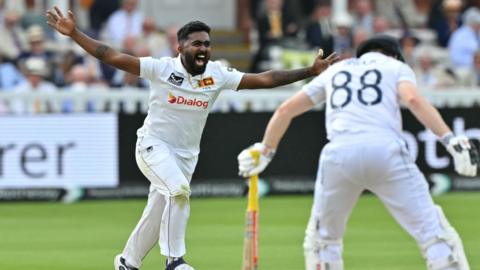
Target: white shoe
{"type": "Point", "coordinates": [178, 264]}
{"type": "Point", "coordinates": [120, 264]}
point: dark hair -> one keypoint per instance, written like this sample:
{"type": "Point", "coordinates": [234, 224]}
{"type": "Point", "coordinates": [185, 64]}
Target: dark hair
{"type": "Point", "coordinates": [191, 27]}
{"type": "Point", "coordinates": [386, 44]}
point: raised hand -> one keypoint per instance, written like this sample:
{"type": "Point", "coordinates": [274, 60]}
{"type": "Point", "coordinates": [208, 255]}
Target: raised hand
{"type": "Point", "coordinates": [321, 64]}
{"type": "Point", "coordinates": [64, 25]}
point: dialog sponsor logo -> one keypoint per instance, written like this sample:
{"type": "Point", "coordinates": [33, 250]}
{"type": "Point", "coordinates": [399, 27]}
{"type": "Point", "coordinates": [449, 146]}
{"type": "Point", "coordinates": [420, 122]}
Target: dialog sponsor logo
{"type": "Point", "coordinates": [182, 100]}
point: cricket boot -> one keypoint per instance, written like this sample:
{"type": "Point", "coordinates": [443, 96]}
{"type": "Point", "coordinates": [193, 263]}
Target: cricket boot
{"type": "Point", "coordinates": [120, 264]}
{"type": "Point", "coordinates": [178, 264]}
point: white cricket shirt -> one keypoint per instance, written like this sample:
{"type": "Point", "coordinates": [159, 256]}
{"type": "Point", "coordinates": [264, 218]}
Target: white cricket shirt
{"type": "Point", "coordinates": [361, 95]}
{"type": "Point", "coordinates": [179, 103]}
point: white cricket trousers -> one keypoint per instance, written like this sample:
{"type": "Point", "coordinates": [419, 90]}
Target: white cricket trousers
{"type": "Point", "coordinates": [383, 166]}
{"type": "Point", "coordinates": [164, 219]}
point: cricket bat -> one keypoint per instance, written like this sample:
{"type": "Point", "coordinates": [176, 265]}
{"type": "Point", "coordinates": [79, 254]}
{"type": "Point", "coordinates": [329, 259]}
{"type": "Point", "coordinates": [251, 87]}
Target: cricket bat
{"type": "Point", "coordinates": [250, 245]}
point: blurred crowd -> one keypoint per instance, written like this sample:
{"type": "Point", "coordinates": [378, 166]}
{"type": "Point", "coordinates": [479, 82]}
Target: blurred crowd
{"type": "Point", "coordinates": [440, 39]}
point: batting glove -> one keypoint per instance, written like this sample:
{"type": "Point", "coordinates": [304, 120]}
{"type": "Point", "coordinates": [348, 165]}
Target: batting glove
{"type": "Point", "coordinates": [465, 155]}
{"type": "Point", "coordinates": [254, 159]}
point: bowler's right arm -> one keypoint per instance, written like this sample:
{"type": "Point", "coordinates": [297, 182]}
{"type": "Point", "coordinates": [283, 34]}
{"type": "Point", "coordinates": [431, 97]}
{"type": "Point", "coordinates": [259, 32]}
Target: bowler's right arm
{"type": "Point", "coordinates": [67, 26]}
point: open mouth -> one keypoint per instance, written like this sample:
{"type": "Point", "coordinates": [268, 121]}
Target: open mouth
{"type": "Point", "coordinates": [201, 59]}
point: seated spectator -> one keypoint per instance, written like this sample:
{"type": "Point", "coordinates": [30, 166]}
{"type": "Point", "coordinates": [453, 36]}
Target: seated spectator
{"type": "Point", "coordinates": [275, 26]}
{"type": "Point", "coordinates": [37, 41]}
{"type": "Point", "coordinates": [10, 76]}
{"type": "Point", "coordinates": [465, 40]}
{"type": "Point", "coordinates": [33, 16]}
{"type": "Point", "coordinates": [359, 36]}
{"type": "Point", "coordinates": [431, 75]}
{"type": "Point", "coordinates": [151, 38]}
{"type": "Point", "coordinates": [471, 77]}
{"type": "Point", "coordinates": [99, 12]}
{"type": "Point", "coordinates": [390, 9]}
{"type": "Point", "coordinates": [12, 37]}
{"type": "Point", "coordinates": [123, 79]}
{"type": "Point", "coordinates": [343, 38]}
{"type": "Point", "coordinates": [363, 16]}
{"type": "Point", "coordinates": [79, 80]}
{"type": "Point", "coordinates": [172, 46]}
{"type": "Point", "coordinates": [444, 19]}
{"type": "Point", "coordinates": [380, 25]}
{"type": "Point", "coordinates": [2, 10]}
{"type": "Point", "coordinates": [427, 77]}
{"type": "Point", "coordinates": [36, 69]}
{"type": "Point", "coordinates": [319, 29]}
{"type": "Point", "coordinates": [125, 22]}
{"type": "Point", "coordinates": [64, 63]}
{"type": "Point", "coordinates": [409, 42]}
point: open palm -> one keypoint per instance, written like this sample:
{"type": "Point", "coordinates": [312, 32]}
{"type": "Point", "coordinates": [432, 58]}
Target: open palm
{"type": "Point", "coordinates": [64, 25]}
{"type": "Point", "coordinates": [321, 63]}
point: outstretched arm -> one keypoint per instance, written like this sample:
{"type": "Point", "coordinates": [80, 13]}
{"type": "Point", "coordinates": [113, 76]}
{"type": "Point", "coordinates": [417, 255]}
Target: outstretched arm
{"type": "Point", "coordinates": [255, 158]}
{"type": "Point", "coordinates": [274, 78]}
{"type": "Point", "coordinates": [465, 155]}
{"type": "Point", "coordinates": [422, 109]}
{"type": "Point", "coordinates": [283, 116]}
{"type": "Point", "coordinates": [67, 26]}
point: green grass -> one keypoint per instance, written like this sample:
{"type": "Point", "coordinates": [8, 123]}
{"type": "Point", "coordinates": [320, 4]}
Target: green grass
{"type": "Point", "coordinates": [87, 235]}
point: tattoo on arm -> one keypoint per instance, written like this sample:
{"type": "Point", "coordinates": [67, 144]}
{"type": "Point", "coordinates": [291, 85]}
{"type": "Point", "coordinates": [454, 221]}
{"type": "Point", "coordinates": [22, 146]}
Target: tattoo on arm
{"type": "Point", "coordinates": [100, 51]}
{"type": "Point", "coordinates": [282, 77]}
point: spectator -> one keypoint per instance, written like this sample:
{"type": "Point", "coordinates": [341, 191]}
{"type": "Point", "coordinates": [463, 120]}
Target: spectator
{"type": "Point", "coordinates": [36, 69]}
{"type": "Point", "coordinates": [319, 30]}
{"type": "Point", "coordinates": [363, 15]}
{"type": "Point", "coordinates": [471, 77]}
{"type": "Point", "coordinates": [444, 19]}
{"type": "Point", "coordinates": [343, 38]}
{"type": "Point", "coordinates": [2, 10]}
{"type": "Point", "coordinates": [65, 61]}
{"type": "Point", "coordinates": [36, 40]}
{"type": "Point", "coordinates": [79, 81]}
{"type": "Point", "coordinates": [10, 76]}
{"type": "Point", "coordinates": [470, 3]}
{"type": "Point", "coordinates": [465, 40]}
{"type": "Point", "coordinates": [380, 25]}
{"type": "Point", "coordinates": [390, 9]}
{"type": "Point", "coordinates": [171, 49]}
{"type": "Point", "coordinates": [429, 74]}
{"type": "Point", "coordinates": [31, 16]}
{"type": "Point", "coordinates": [12, 37]}
{"type": "Point", "coordinates": [274, 25]}
{"type": "Point", "coordinates": [359, 36]}
{"type": "Point", "coordinates": [125, 22]}
{"type": "Point", "coordinates": [409, 42]}
{"type": "Point", "coordinates": [100, 11]}
{"type": "Point", "coordinates": [151, 38]}
{"type": "Point", "coordinates": [125, 79]}
{"type": "Point", "coordinates": [424, 71]}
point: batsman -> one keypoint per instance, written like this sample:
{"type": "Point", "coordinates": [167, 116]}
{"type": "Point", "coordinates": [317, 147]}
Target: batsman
{"type": "Point", "coordinates": [366, 151]}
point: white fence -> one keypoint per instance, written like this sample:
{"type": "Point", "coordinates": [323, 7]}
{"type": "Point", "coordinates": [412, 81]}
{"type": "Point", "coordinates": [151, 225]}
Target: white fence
{"type": "Point", "coordinates": [133, 100]}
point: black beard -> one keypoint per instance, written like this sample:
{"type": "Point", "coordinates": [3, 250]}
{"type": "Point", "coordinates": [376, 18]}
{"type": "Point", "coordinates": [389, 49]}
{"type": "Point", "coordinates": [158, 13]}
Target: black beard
{"type": "Point", "coordinates": [191, 67]}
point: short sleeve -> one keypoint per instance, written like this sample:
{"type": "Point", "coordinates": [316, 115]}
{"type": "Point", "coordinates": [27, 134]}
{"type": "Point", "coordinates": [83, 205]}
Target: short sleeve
{"type": "Point", "coordinates": [151, 68]}
{"type": "Point", "coordinates": [406, 74]}
{"type": "Point", "coordinates": [315, 89]}
{"type": "Point", "coordinates": [231, 77]}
